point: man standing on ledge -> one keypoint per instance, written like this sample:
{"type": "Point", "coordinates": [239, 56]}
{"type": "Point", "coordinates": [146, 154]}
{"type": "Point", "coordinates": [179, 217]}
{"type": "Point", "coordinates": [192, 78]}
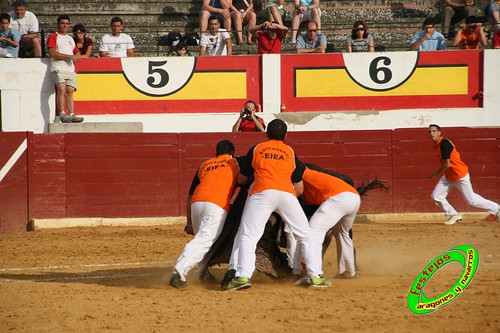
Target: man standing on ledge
{"type": "Point", "coordinates": [63, 55]}
{"type": "Point", "coordinates": [456, 174]}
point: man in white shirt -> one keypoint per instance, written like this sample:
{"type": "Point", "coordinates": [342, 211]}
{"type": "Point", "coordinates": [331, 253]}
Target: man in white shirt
{"type": "Point", "coordinates": [215, 41]}
{"type": "Point", "coordinates": [116, 44]}
{"type": "Point", "coordinates": [26, 23]}
{"type": "Point", "coordinates": [63, 55]}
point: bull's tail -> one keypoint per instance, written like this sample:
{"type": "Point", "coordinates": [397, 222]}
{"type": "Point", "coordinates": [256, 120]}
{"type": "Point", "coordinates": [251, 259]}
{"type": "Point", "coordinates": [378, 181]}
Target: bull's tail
{"type": "Point", "coordinates": [367, 185]}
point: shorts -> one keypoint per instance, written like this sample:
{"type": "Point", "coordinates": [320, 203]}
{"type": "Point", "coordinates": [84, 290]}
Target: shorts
{"type": "Point", "coordinates": [68, 78]}
{"type": "Point", "coordinates": [307, 15]}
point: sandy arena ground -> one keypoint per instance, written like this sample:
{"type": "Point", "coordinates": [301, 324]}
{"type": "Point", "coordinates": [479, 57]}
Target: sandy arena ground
{"type": "Point", "coordinates": [115, 279]}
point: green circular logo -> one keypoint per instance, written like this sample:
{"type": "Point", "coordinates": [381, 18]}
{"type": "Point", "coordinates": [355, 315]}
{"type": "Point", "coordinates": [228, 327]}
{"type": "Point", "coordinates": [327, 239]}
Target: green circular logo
{"type": "Point", "coordinates": [465, 255]}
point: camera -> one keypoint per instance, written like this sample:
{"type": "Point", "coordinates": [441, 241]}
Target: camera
{"type": "Point", "coordinates": [247, 112]}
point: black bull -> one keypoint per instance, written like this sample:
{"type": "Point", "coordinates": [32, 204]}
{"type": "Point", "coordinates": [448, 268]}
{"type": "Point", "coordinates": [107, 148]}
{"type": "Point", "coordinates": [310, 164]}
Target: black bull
{"type": "Point", "coordinates": [270, 258]}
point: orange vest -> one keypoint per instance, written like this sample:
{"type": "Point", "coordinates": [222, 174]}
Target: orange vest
{"type": "Point", "coordinates": [217, 181]}
{"type": "Point", "coordinates": [457, 169]}
{"type": "Point", "coordinates": [319, 186]}
{"type": "Point", "coordinates": [273, 163]}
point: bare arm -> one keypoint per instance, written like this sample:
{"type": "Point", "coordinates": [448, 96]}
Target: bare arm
{"type": "Point", "coordinates": [236, 126]}
{"type": "Point", "coordinates": [444, 165]}
{"type": "Point", "coordinates": [202, 50]}
{"type": "Point", "coordinates": [229, 46]}
{"type": "Point", "coordinates": [299, 188]}
{"type": "Point", "coordinates": [130, 53]}
{"type": "Point", "coordinates": [242, 180]}
{"type": "Point", "coordinates": [61, 56]}
{"type": "Point", "coordinates": [9, 41]}
{"type": "Point", "coordinates": [189, 223]}
{"type": "Point", "coordinates": [416, 45]}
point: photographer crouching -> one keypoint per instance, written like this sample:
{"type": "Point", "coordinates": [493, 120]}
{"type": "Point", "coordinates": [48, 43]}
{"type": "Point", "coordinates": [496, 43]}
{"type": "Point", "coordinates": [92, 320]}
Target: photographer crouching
{"type": "Point", "coordinates": [248, 121]}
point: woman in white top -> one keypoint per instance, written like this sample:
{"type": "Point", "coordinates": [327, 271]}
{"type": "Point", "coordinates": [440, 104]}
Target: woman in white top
{"type": "Point", "coordinates": [360, 40]}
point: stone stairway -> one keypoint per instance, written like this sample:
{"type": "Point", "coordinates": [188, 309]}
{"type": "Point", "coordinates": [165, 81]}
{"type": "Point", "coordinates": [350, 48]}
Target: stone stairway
{"type": "Point", "coordinates": [392, 23]}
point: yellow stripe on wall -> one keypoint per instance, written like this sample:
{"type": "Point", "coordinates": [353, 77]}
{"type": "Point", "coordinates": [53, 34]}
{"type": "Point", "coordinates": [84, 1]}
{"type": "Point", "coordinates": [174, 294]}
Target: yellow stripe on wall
{"type": "Point", "coordinates": [111, 86]}
{"type": "Point", "coordinates": [424, 81]}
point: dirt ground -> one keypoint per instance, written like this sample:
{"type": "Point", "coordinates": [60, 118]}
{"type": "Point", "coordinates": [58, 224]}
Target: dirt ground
{"type": "Point", "coordinates": [115, 279]}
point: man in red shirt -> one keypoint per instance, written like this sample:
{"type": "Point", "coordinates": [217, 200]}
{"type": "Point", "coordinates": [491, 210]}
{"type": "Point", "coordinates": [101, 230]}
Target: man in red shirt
{"type": "Point", "coordinates": [248, 121]}
{"type": "Point", "coordinates": [269, 37]}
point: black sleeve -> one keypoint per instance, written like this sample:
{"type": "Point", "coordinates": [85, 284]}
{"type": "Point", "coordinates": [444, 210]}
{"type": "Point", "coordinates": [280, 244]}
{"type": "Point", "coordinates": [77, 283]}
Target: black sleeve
{"type": "Point", "coordinates": [299, 170]}
{"type": "Point", "coordinates": [446, 149]}
{"type": "Point", "coordinates": [246, 168]}
{"type": "Point", "coordinates": [194, 183]}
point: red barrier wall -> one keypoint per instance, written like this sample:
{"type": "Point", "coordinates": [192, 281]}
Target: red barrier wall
{"type": "Point", "coordinates": [145, 175]}
{"type": "Point", "coordinates": [13, 182]}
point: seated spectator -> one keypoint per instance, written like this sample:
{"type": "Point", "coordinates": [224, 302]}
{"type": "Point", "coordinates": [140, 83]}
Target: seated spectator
{"type": "Point", "coordinates": [9, 38]}
{"type": "Point", "coordinates": [496, 40]}
{"type": "Point", "coordinates": [248, 121]}
{"type": "Point", "coordinates": [116, 44]}
{"type": "Point", "coordinates": [457, 10]}
{"type": "Point", "coordinates": [180, 50]}
{"type": "Point", "coordinates": [218, 8]}
{"type": "Point", "coordinates": [216, 41]}
{"type": "Point", "coordinates": [428, 39]}
{"type": "Point", "coordinates": [305, 10]}
{"type": "Point", "coordinates": [360, 40]}
{"type": "Point", "coordinates": [269, 37]}
{"type": "Point", "coordinates": [242, 14]}
{"type": "Point", "coordinates": [470, 35]}
{"type": "Point", "coordinates": [270, 10]}
{"type": "Point", "coordinates": [311, 41]}
{"type": "Point", "coordinates": [85, 44]}
{"type": "Point", "coordinates": [26, 23]}
{"type": "Point", "coordinates": [492, 13]}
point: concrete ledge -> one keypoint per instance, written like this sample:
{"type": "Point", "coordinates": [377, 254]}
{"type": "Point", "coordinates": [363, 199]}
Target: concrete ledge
{"type": "Point", "coordinates": [104, 127]}
{"type": "Point", "coordinates": [37, 224]}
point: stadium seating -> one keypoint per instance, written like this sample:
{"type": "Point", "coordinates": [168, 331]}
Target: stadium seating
{"type": "Point", "coordinates": [392, 23]}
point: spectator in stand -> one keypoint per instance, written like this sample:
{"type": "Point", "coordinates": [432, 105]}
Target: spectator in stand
{"type": "Point", "coordinates": [428, 39]}
{"type": "Point", "coordinates": [492, 13]}
{"type": "Point", "coordinates": [26, 23]}
{"type": "Point", "coordinates": [180, 50]}
{"type": "Point", "coordinates": [248, 121]}
{"type": "Point", "coordinates": [312, 41]}
{"type": "Point", "coordinates": [63, 55]}
{"type": "Point", "coordinates": [305, 10]}
{"type": "Point", "coordinates": [273, 11]}
{"type": "Point", "coordinates": [116, 44]}
{"type": "Point", "coordinates": [218, 8]}
{"type": "Point", "coordinates": [9, 38]}
{"type": "Point", "coordinates": [269, 37]}
{"type": "Point", "coordinates": [470, 35]}
{"type": "Point", "coordinates": [242, 14]}
{"type": "Point", "coordinates": [496, 40]}
{"type": "Point", "coordinates": [360, 40]}
{"type": "Point", "coordinates": [455, 9]}
{"type": "Point", "coordinates": [216, 41]}
{"type": "Point", "coordinates": [85, 44]}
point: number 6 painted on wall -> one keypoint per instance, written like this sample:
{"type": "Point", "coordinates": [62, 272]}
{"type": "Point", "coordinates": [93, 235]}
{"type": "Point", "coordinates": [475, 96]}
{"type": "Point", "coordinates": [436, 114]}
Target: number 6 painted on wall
{"type": "Point", "coordinates": [380, 71]}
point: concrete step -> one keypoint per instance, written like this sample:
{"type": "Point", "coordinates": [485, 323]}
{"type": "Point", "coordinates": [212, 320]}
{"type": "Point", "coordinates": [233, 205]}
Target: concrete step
{"type": "Point", "coordinates": [90, 127]}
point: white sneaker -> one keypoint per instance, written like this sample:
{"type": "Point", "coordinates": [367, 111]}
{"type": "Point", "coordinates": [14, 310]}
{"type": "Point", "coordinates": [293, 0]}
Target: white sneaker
{"type": "Point", "coordinates": [454, 219]}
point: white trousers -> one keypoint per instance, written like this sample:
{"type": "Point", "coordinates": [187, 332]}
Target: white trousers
{"type": "Point", "coordinates": [337, 212]}
{"type": "Point", "coordinates": [208, 221]}
{"type": "Point", "coordinates": [258, 208]}
{"type": "Point", "coordinates": [443, 187]}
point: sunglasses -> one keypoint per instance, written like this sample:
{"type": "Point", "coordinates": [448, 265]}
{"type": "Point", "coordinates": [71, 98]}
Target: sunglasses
{"type": "Point", "coordinates": [359, 29]}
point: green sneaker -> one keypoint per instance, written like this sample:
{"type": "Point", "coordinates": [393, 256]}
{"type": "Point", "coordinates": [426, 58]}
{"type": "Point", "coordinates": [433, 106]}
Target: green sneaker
{"type": "Point", "coordinates": [238, 283]}
{"type": "Point", "coordinates": [320, 282]}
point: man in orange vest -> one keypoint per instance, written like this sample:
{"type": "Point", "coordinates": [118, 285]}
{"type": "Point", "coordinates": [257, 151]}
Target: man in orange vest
{"type": "Point", "coordinates": [456, 174]}
{"type": "Point", "coordinates": [277, 183]}
{"type": "Point", "coordinates": [207, 207]}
